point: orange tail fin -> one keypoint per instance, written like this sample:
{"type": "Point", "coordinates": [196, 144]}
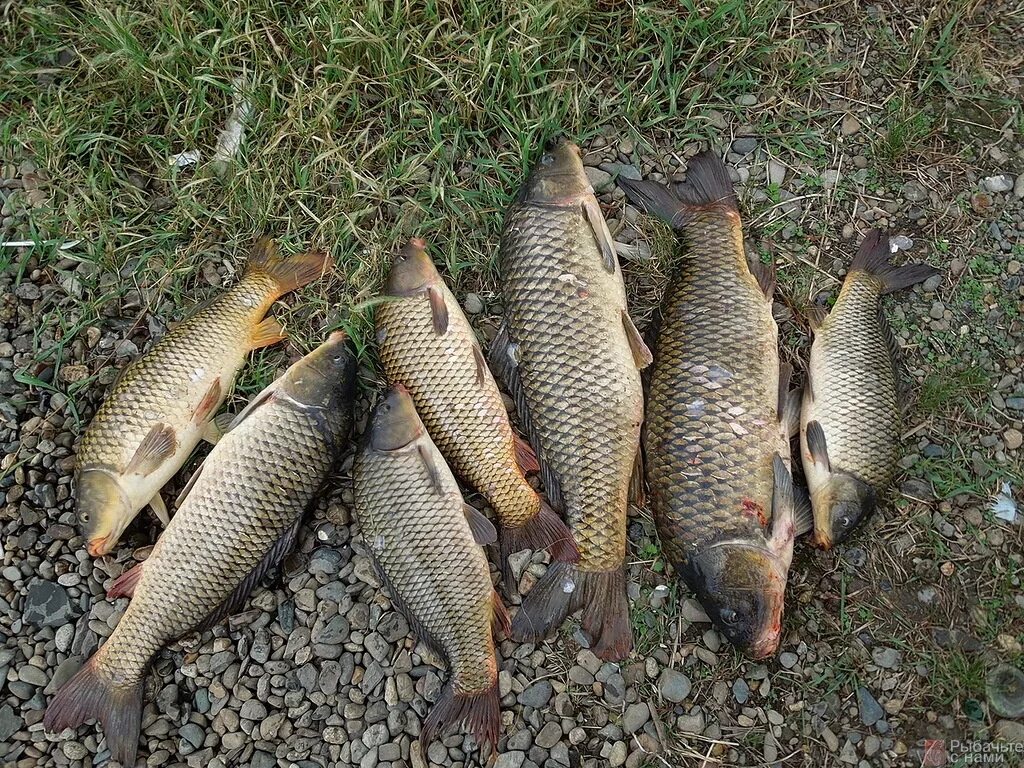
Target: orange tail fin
{"type": "Point", "coordinates": [89, 694]}
{"type": "Point", "coordinates": [545, 531]}
{"type": "Point", "coordinates": [288, 272]}
{"type": "Point", "coordinates": [564, 589]}
{"type": "Point", "coordinates": [480, 711]}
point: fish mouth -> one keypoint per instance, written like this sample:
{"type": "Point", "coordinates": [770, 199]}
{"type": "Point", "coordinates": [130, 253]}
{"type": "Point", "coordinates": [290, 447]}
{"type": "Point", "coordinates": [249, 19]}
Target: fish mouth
{"type": "Point", "coordinates": [99, 546]}
{"type": "Point", "coordinates": [766, 645]}
{"type": "Point", "coordinates": [823, 539]}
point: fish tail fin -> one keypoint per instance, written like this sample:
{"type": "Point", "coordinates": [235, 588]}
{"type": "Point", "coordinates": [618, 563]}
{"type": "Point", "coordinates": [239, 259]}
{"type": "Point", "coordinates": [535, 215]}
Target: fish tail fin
{"type": "Point", "coordinates": [873, 259]}
{"type": "Point", "coordinates": [707, 184]}
{"type": "Point", "coordinates": [545, 530]}
{"type": "Point", "coordinates": [606, 614]}
{"type": "Point", "coordinates": [479, 710]}
{"type": "Point", "coordinates": [287, 272]}
{"type": "Point", "coordinates": [90, 694]}
{"type": "Point", "coordinates": [565, 588]}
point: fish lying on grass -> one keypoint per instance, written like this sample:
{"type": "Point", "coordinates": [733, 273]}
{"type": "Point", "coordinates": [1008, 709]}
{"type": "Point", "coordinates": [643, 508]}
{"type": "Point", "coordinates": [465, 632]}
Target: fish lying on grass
{"type": "Point", "coordinates": [426, 544]}
{"type": "Point", "coordinates": [571, 357]}
{"type": "Point", "coordinates": [850, 420]}
{"type": "Point", "coordinates": [426, 344]}
{"type": "Point", "coordinates": [236, 520]}
{"type": "Point", "coordinates": [165, 402]}
{"type": "Point", "coordinates": [719, 415]}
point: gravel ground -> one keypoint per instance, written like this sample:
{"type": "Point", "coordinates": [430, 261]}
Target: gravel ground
{"type": "Point", "coordinates": [888, 638]}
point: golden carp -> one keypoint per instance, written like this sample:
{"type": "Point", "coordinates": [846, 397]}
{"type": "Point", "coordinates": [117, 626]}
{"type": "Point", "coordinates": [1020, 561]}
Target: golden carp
{"type": "Point", "coordinates": [719, 415]}
{"type": "Point", "coordinates": [164, 402]}
{"type": "Point", "coordinates": [426, 544]}
{"type": "Point", "coordinates": [850, 422]}
{"type": "Point", "coordinates": [571, 357]}
{"type": "Point", "coordinates": [426, 344]}
{"type": "Point", "coordinates": [239, 517]}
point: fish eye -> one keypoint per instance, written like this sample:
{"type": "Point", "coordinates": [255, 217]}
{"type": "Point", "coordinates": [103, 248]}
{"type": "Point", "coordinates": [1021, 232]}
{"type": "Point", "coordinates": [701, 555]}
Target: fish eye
{"type": "Point", "coordinates": [84, 517]}
{"type": "Point", "coordinates": [729, 616]}
{"type": "Point", "coordinates": [547, 159]}
{"type": "Point", "coordinates": [844, 521]}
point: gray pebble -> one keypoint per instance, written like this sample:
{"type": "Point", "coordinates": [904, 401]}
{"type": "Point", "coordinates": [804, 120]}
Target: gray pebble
{"type": "Point", "coordinates": [46, 604]}
{"type": "Point", "coordinates": [673, 685]}
{"type": "Point", "coordinates": [741, 691]}
{"type": "Point", "coordinates": [788, 659]}
{"type": "Point", "coordinates": [537, 695]}
{"type": "Point", "coordinates": [870, 710]}
{"type": "Point", "coordinates": [635, 717]}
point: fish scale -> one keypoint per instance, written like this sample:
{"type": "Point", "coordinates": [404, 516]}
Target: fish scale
{"type": "Point", "coordinates": [860, 414]}
{"type": "Point", "coordinates": [583, 394]}
{"type": "Point", "coordinates": [712, 425]}
{"type": "Point", "coordinates": [201, 348]}
{"type": "Point", "coordinates": [251, 496]}
{"type": "Point", "coordinates": [426, 544]}
{"type": "Point", "coordinates": [471, 428]}
{"type": "Point", "coordinates": [238, 518]}
{"type": "Point", "coordinates": [447, 588]}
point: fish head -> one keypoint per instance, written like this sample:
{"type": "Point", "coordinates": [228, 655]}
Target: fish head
{"type": "Point", "coordinates": [395, 422]}
{"type": "Point", "coordinates": [741, 586]}
{"type": "Point", "coordinates": [558, 176]}
{"type": "Point", "coordinates": [323, 378]}
{"type": "Point", "coordinates": [104, 509]}
{"type": "Point", "coordinates": [411, 271]}
{"type": "Point", "coordinates": [839, 507]}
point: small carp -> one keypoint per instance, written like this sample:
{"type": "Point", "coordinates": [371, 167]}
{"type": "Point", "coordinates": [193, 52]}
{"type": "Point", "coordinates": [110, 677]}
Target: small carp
{"type": "Point", "coordinates": [570, 356]}
{"type": "Point", "coordinates": [426, 544]}
{"type": "Point", "coordinates": [719, 415]}
{"type": "Point", "coordinates": [426, 344]}
{"type": "Point", "coordinates": [239, 517]}
{"type": "Point", "coordinates": [850, 421]}
{"type": "Point", "coordinates": [165, 402]}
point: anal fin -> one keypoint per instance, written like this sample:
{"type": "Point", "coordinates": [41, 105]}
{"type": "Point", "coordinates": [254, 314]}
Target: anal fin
{"type": "Point", "coordinates": [525, 457]}
{"type": "Point", "coordinates": [267, 333]}
{"type": "Point", "coordinates": [158, 445]}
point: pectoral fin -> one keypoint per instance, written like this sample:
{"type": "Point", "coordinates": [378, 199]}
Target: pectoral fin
{"type": "Point", "coordinates": [482, 528]}
{"type": "Point", "coordinates": [603, 236]}
{"type": "Point", "coordinates": [642, 356]}
{"type": "Point", "coordinates": [438, 310]}
{"type": "Point", "coordinates": [789, 402]}
{"type": "Point", "coordinates": [160, 509]}
{"type": "Point", "coordinates": [158, 445]}
{"type": "Point", "coordinates": [815, 437]}
{"type": "Point", "coordinates": [431, 467]}
{"type": "Point", "coordinates": [124, 585]}
{"type": "Point", "coordinates": [803, 513]}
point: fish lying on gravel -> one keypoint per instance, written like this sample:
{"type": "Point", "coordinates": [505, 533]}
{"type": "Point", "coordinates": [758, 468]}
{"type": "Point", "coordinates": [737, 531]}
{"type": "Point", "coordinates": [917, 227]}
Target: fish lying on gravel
{"type": "Point", "coordinates": [426, 344]}
{"type": "Point", "coordinates": [426, 544]}
{"type": "Point", "coordinates": [571, 357]}
{"type": "Point", "coordinates": [238, 518]}
{"type": "Point", "coordinates": [719, 415]}
{"type": "Point", "coordinates": [165, 402]}
{"type": "Point", "coordinates": [850, 421]}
